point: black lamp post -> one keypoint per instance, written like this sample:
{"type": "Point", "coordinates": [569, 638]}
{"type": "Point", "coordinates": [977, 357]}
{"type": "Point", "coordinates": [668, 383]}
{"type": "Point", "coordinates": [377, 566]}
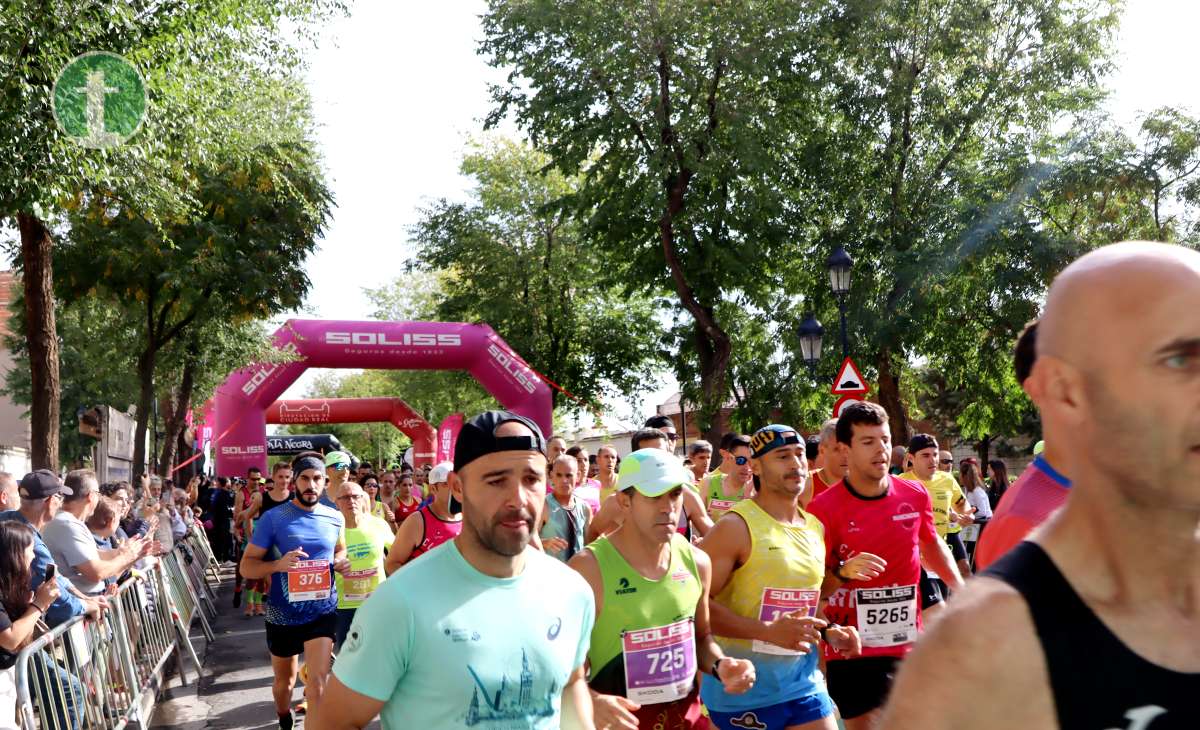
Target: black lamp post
{"type": "Point", "coordinates": [810, 332]}
{"type": "Point", "coordinates": [839, 265]}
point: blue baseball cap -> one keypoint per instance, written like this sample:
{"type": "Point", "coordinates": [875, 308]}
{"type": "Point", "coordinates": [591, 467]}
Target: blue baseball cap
{"type": "Point", "coordinates": [769, 438]}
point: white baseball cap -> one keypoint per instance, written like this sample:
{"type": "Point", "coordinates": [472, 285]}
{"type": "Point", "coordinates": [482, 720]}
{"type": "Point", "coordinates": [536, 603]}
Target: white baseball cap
{"type": "Point", "coordinates": [441, 473]}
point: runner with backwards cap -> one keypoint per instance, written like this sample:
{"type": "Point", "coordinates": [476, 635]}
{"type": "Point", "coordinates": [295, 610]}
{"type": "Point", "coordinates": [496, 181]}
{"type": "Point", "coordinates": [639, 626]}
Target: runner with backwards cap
{"type": "Point", "coordinates": [484, 630]}
{"type": "Point", "coordinates": [767, 568]}
{"type": "Point", "coordinates": [652, 629]}
{"type": "Point", "coordinates": [431, 526]}
{"type": "Point", "coordinates": [295, 545]}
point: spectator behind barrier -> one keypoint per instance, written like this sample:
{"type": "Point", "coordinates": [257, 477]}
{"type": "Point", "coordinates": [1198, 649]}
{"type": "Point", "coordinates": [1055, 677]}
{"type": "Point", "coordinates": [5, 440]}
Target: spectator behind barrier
{"type": "Point", "coordinates": [19, 611]}
{"type": "Point", "coordinates": [103, 524]}
{"type": "Point", "coordinates": [10, 498]}
{"type": "Point", "coordinates": [71, 543]}
{"type": "Point", "coordinates": [41, 495]}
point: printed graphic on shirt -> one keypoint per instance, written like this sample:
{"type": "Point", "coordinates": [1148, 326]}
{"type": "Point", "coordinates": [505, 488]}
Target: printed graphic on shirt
{"type": "Point", "coordinates": [511, 704]}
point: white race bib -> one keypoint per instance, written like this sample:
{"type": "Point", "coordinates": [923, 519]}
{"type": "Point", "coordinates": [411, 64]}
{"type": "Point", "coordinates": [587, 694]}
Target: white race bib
{"type": "Point", "coordinates": [887, 616]}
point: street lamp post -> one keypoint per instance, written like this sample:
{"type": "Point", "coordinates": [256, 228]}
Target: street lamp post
{"type": "Point", "coordinates": [839, 265]}
{"type": "Point", "coordinates": [811, 334]}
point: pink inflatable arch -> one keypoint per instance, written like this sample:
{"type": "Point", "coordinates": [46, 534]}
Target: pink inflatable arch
{"type": "Point", "coordinates": [362, 410]}
{"type": "Point", "coordinates": [242, 400]}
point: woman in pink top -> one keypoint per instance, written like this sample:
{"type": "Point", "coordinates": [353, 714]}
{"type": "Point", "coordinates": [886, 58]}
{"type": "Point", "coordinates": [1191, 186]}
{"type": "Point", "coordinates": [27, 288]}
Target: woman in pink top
{"type": "Point", "coordinates": [428, 527]}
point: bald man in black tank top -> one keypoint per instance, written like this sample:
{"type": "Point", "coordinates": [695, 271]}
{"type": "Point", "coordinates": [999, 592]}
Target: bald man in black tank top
{"type": "Point", "coordinates": [1094, 622]}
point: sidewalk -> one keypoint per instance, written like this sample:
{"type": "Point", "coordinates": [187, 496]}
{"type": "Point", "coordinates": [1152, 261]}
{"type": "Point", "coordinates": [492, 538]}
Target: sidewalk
{"type": "Point", "coordinates": [235, 688]}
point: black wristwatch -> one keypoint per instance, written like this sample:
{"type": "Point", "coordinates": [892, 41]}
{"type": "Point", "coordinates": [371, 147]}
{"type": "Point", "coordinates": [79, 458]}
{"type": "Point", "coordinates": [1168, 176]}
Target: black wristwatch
{"type": "Point", "coordinates": [716, 664]}
{"type": "Point", "coordinates": [837, 572]}
{"type": "Point", "coordinates": [826, 629]}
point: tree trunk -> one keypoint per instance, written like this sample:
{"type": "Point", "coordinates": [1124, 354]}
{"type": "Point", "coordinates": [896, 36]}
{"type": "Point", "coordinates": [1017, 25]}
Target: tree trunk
{"type": "Point", "coordinates": [184, 452]}
{"type": "Point", "coordinates": [889, 397]}
{"type": "Point", "coordinates": [41, 339]}
{"type": "Point", "coordinates": [145, 409]}
{"type": "Point", "coordinates": [182, 402]}
{"type": "Point", "coordinates": [985, 453]}
{"type": "Point", "coordinates": [714, 363]}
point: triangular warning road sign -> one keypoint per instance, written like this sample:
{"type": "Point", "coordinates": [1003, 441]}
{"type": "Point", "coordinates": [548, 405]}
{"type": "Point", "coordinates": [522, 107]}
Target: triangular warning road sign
{"type": "Point", "coordinates": [849, 380]}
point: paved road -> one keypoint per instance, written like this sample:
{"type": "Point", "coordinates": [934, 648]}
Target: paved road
{"type": "Point", "coordinates": [235, 690]}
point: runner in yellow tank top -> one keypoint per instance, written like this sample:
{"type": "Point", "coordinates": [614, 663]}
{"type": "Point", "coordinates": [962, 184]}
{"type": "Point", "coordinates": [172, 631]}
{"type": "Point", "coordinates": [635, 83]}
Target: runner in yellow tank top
{"type": "Point", "coordinates": [651, 590]}
{"type": "Point", "coordinates": [768, 564]}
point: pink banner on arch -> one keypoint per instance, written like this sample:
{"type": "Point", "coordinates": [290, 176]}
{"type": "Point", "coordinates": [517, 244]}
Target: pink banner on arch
{"type": "Point", "coordinates": [448, 436]}
{"type": "Point", "coordinates": [242, 400]}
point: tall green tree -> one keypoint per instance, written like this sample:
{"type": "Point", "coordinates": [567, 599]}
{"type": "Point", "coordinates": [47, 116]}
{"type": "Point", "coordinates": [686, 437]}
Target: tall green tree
{"type": "Point", "coordinates": [1111, 184]}
{"type": "Point", "coordinates": [931, 114]}
{"type": "Point", "coordinates": [99, 344]}
{"type": "Point", "coordinates": [191, 55]}
{"type": "Point", "coordinates": [96, 353]}
{"type": "Point", "coordinates": [678, 117]}
{"type": "Point", "coordinates": [516, 258]}
{"type": "Point", "coordinates": [236, 261]}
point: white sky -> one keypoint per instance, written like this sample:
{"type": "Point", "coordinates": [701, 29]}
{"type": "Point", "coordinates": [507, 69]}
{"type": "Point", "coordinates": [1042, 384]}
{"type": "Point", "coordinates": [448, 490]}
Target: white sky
{"type": "Point", "coordinates": [398, 87]}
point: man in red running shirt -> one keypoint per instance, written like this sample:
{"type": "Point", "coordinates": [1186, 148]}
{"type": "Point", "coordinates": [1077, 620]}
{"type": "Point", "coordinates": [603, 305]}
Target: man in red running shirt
{"type": "Point", "coordinates": [871, 511]}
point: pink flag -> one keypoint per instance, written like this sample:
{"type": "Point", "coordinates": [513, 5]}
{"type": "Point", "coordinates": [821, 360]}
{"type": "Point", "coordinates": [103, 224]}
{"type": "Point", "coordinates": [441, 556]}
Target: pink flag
{"type": "Point", "coordinates": [448, 435]}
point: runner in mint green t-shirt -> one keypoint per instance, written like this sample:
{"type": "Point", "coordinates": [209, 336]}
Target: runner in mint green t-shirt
{"type": "Point", "coordinates": [367, 538]}
{"type": "Point", "coordinates": [483, 631]}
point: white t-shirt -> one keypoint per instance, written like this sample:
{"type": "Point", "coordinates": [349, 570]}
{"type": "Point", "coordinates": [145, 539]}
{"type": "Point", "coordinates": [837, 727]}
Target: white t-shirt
{"type": "Point", "coordinates": [71, 544]}
{"type": "Point", "coordinates": [978, 499]}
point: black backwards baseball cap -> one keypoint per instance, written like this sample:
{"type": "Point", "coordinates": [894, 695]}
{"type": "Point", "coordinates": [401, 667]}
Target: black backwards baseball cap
{"type": "Point", "coordinates": [42, 483]}
{"type": "Point", "coordinates": [478, 438]}
{"type": "Point", "coordinates": [920, 442]}
{"type": "Point", "coordinates": [769, 438]}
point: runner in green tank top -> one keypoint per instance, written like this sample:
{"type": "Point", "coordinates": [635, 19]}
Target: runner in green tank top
{"type": "Point", "coordinates": [732, 481]}
{"type": "Point", "coordinates": [651, 589]}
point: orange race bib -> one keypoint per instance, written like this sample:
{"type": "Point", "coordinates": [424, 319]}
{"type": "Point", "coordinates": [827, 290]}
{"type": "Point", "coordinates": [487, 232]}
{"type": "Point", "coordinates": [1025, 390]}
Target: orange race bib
{"type": "Point", "coordinates": [309, 580]}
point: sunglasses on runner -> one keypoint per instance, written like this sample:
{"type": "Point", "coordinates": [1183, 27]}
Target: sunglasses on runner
{"type": "Point", "coordinates": [947, 461]}
{"type": "Point", "coordinates": [741, 460]}
{"type": "Point", "coordinates": [671, 435]}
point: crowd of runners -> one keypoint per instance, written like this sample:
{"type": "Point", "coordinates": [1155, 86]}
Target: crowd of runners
{"type": "Point", "coordinates": [804, 583]}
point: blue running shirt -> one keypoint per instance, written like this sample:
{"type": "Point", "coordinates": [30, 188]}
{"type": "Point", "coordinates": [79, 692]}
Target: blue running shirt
{"type": "Point", "coordinates": [284, 529]}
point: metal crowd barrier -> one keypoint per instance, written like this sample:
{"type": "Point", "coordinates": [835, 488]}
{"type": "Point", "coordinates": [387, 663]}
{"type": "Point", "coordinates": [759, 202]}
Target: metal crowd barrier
{"type": "Point", "coordinates": [106, 674]}
{"type": "Point", "coordinates": [198, 539]}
